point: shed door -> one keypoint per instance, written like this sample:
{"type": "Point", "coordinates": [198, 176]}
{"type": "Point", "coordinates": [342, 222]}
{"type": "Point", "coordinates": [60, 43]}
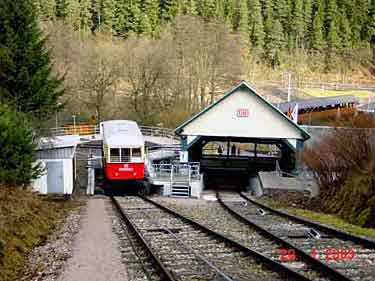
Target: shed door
{"type": "Point", "coordinates": [55, 179]}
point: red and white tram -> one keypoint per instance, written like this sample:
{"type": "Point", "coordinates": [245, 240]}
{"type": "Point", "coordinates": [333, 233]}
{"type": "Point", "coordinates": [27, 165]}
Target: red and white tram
{"type": "Point", "coordinates": [123, 150]}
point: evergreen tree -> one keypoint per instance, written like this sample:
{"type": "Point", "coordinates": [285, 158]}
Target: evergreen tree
{"type": "Point", "coordinates": [240, 19]}
{"type": "Point", "coordinates": [307, 11]}
{"type": "Point", "coordinates": [17, 149]}
{"type": "Point", "coordinates": [344, 31]}
{"type": "Point", "coordinates": [73, 15]}
{"type": "Point", "coordinates": [358, 20]}
{"type": "Point", "coordinates": [317, 35]}
{"type": "Point", "coordinates": [62, 8]}
{"type": "Point", "coordinates": [139, 19]}
{"type": "Point", "coordinates": [274, 41]}
{"type": "Point", "coordinates": [168, 9]}
{"type": "Point", "coordinates": [281, 12]}
{"type": "Point", "coordinates": [298, 24]}
{"type": "Point", "coordinates": [85, 15]}
{"type": "Point", "coordinates": [370, 24]}
{"type": "Point", "coordinates": [331, 12]}
{"type": "Point", "coordinates": [151, 9]}
{"type": "Point", "coordinates": [227, 12]}
{"type": "Point", "coordinates": [120, 23]}
{"type": "Point", "coordinates": [107, 11]}
{"type": "Point", "coordinates": [26, 78]}
{"type": "Point", "coordinates": [256, 28]}
{"type": "Point", "coordinates": [333, 39]}
{"type": "Point", "coordinates": [210, 9]}
{"type": "Point", "coordinates": [46, 9]}
{"type": "Point", "coordinates": [191, 7]}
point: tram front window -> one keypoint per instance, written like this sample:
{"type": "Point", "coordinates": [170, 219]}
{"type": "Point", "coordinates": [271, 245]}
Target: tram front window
{"type": "Point", "coordinates": [136, 154]}
{"type": "Point", "coordinates": [125, 154]}
{"type": "Point", "coordinates": [115, 155]}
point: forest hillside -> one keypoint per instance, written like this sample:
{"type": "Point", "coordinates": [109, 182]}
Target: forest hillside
{"type": "Point", "coordinates": [200, 48]}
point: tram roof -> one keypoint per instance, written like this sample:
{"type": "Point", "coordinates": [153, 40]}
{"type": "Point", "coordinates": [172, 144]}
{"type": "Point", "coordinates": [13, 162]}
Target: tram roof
{"type": "Point", "coordinates": [121, 133]}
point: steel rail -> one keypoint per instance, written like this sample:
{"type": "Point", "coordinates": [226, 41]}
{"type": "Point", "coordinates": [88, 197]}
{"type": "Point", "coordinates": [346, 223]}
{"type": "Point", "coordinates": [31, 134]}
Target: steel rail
{"type": "Point", "coordinates": [314, 263]}
{"type": "Point", "coordinates": [166, 275]}
{"type": "Point", "coordinates": [128, 235]}
{"type": "Point", "coordinates": [197, 254]}
{"type": "Point", "coordinates": [336, 232]}
{"type": "Point", "coordinates": [272, 265]}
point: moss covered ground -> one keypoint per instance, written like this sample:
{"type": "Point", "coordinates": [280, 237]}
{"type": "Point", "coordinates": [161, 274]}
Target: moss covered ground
{"type": "Point", "coordinates": [26, 219]}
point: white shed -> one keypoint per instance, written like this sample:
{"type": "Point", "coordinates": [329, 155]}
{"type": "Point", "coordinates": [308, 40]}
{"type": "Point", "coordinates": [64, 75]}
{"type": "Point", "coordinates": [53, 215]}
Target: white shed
{"type": "Point", "coordinates": [57, 157]}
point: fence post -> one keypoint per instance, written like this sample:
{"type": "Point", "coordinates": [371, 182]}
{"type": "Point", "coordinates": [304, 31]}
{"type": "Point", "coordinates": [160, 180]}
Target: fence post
{"type": "Point", "coordinates": [189, 173]}
{"type": "Point", "coordinates": [172, 168]}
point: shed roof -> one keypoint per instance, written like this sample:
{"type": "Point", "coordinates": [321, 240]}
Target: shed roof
{"type": "Point", "coordinates": [245, 87]}
{"type": "Point", "coordinates": [318, 102]}
{"type": "Point", "coordinates": [122, 133]}
{"type": "Point", "coordinates": [56, 153]}
{"type": "Point", "coordinates": [58, 142]}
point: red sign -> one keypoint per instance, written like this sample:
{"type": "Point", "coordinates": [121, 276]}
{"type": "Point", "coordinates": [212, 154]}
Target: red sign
{"type": "Point", "coordinates": [242, 112]}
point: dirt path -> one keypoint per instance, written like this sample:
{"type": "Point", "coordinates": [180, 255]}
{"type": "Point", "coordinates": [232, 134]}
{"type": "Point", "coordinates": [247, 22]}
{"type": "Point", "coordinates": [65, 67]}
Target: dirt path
{"type": "Point", "coordinates": [96, 256]}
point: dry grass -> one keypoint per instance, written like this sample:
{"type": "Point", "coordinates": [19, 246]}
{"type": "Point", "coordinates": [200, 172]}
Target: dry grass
{"type": "Point", "coordinates": [26, 219]}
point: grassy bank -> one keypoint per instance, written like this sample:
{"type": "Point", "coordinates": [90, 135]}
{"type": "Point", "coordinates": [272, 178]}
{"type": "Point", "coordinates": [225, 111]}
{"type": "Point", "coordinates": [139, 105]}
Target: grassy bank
{"type": "Point", "coordinates": [26, 219]}
{"type": "Point", "coordinates": [334, 221]}
{"type": "Point", "coordinates": [327, 219]}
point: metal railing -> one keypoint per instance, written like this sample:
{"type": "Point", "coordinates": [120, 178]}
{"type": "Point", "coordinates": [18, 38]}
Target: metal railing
{"type": "Point", "coordinates": [179, 171]}
{"type": "Point", "coordinates": [84, 129]}
{"type": "Point", "coordinates": [159, 132]}
{"type": "Point", "coordinates": [122, 159]}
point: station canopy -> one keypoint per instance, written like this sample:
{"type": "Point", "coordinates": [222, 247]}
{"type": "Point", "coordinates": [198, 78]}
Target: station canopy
{"type": "Point", "coordinates": [242, 113]}
{"type": "Point", "coordinates": [309, 104]}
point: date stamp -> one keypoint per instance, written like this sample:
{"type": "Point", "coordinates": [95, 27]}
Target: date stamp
{"type": "Point", "coordinates": [328, 254]}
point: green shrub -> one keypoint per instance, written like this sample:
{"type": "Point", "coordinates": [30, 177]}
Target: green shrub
{"type": "Point", "coordinates": [17, 149]}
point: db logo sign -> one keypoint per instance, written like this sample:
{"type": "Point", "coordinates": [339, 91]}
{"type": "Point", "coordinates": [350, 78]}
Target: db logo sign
{"type": "Point", "coordinates": [242, 113]}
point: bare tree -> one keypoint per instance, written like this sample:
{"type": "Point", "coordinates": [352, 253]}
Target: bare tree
{"type": "Point", "coordinates": [100, 74]}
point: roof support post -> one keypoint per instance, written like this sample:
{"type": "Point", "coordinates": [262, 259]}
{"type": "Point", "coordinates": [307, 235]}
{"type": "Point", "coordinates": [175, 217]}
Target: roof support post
{"type": "Point", "coordinates": [228, 148]}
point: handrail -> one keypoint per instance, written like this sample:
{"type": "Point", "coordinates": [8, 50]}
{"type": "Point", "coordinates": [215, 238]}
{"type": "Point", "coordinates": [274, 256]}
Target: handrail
{"type": "Point", "coordinates": [86, 129]}
{"type": "Point", "coordinates": [190, 170]}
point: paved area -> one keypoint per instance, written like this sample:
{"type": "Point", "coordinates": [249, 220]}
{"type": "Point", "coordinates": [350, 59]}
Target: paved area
{"type": "Point", "coordinates": [96, 256]}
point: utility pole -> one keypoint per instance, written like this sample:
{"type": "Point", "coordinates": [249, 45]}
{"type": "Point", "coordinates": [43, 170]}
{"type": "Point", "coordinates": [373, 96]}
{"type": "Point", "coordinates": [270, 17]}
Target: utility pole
{"type": "Point", "coordinates": [289, 85]}
{"type": "Point", "coordinates": [372, 42]}
{"type": "Point", "coordinates": [74, 123]}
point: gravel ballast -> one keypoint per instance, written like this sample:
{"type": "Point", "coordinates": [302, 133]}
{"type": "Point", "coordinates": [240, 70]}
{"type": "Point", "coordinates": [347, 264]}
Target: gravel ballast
{"type": "Point", "coordinates": [46, 262]}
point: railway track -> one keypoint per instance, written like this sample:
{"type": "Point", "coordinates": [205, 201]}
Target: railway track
{"type": "Point", "coordinates": [182, 249]}
{"type": "Point", "coordinates": [140, 265]}
{"type": "Point", "coordinates": [339, 254]}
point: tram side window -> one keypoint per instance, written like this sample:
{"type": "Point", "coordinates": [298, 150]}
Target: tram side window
{"type": "Point", "coordinates": [115, 154]}
{"type": "Point", "coordinates": [125, 154]}
{"type": "Point", "coordinates": [136, 152]}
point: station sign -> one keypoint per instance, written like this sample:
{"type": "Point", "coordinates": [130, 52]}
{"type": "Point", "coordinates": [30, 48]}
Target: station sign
{"type": "Point", "coordinates": [242, 113]}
